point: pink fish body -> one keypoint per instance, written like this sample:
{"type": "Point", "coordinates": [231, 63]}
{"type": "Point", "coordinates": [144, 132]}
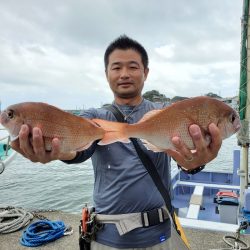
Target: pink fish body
{"type": "Point", "coordinates": [157, 127]}
{"type": "Point", "coordinates": [74, 132]}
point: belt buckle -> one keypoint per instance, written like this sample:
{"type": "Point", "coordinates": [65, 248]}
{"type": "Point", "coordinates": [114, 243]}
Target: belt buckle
{"type": "Point", "coordinates": [152, 217]}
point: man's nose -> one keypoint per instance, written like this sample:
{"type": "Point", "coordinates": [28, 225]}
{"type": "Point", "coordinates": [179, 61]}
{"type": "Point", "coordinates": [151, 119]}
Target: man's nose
{"type": "Point", "coordinates": [125, 73]}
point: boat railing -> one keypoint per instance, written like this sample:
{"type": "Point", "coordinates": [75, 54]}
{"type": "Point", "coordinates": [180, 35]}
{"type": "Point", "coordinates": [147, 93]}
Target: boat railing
{"type": "Point", "coordinates": [6, 153]}
{"type": "Point", "coordinates": [6, 139]}
{"type": "Point", "coordinates": [7, 143]}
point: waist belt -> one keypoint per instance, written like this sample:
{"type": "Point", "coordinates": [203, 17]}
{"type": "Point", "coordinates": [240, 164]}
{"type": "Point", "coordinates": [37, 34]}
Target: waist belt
{"type": "Point", "coordinates": [128, 222]}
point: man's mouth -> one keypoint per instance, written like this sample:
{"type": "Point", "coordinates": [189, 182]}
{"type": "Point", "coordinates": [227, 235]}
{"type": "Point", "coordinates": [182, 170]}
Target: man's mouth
{"type": "Point", "coordinates": [124, 83]}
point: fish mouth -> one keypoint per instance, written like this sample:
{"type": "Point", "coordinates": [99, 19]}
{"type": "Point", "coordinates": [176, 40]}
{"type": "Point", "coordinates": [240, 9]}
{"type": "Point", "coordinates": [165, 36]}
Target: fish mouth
{"type": "Point", "coordinates": [237, 128]}
{"type": "Point", "coordinates": [3, 117]}
{"type": "Point", "coordinates": [237, 124]}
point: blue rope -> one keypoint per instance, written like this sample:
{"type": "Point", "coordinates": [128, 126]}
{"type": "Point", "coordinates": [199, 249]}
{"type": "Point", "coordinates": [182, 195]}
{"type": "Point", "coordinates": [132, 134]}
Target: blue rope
{"type": "Point", "coordinates": [42, 232]}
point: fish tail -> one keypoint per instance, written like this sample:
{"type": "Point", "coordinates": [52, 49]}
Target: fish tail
{"type": "Point", "coordinates": [114, 132]}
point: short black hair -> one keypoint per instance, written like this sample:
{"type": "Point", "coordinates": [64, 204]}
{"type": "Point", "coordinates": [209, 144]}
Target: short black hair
{"type": "Point", "coordinates": [124, 42]}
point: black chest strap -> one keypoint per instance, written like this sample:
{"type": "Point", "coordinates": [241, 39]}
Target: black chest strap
{"type": "Point", "coordinates": [147, 162]}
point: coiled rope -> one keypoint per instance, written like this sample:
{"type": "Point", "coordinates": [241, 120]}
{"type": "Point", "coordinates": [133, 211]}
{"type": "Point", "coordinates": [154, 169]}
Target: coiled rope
{"type": "Point", "coordinates": [13, 219]}
{"type": "Point", "coordinates": [44, 231]}
{"type": "Point", "coordinates": [234, 242]}
{"type": "Point", "coordinates": [2, 165]}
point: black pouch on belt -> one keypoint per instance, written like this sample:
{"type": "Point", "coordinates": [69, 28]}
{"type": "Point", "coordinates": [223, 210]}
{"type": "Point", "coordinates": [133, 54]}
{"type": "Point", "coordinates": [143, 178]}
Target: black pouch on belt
{"type": "Point", "coordinates": [84, 244]}
{"type": "Point", "coordinates": [87, 228]}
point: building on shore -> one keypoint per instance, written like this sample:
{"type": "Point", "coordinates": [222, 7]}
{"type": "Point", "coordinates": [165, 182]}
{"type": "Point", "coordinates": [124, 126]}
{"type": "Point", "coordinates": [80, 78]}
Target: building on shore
{"type": "Point", "coordinates": [232, 101]}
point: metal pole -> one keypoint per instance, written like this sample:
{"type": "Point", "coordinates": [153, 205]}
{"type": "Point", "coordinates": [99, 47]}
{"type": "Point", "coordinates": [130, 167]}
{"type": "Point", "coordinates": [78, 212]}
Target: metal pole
{"type": "Point", "coordinates": [244, 163]}
{"type": "Point", "coordinates": [7, 147]}
{"type": "Point", "coordinates": [248, 97]}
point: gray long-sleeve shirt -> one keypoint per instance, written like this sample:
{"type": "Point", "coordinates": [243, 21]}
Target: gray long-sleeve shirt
{"type": "Point", "coordinates": [122, 184]}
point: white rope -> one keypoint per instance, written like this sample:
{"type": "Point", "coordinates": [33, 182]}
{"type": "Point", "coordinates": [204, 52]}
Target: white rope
{"type": "Point", "coordinates": [2, 166]}
{"type": "Point", "coordinates": [13, 219]}
{"type": "Point", "coordinates": [235, 244]}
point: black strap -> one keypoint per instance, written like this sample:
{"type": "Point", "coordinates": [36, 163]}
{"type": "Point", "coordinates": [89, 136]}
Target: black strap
{"type": "Point", "coordinates": [147, 162]}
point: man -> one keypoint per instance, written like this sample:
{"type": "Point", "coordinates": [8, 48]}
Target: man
{"type": "Point", "coordinates": [122, 185]}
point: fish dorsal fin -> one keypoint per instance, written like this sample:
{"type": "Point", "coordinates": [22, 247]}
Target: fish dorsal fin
{"type": "Point", "coordinates": [150, 114]}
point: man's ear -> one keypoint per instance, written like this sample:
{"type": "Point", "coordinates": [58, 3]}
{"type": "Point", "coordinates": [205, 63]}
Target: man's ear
{"type": "Point", "coordinates": [146, 73]}
{"type": "Point", "coordinates": [106, 73]}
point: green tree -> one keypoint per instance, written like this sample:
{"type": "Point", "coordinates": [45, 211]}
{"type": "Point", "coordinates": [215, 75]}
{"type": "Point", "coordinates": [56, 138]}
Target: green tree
{"type": "Point", "coordinates": [178, 98]}
{"type": "Point", "coordinates": [210, 94]}
{"type": "Point", "coordinates": [155, 96]}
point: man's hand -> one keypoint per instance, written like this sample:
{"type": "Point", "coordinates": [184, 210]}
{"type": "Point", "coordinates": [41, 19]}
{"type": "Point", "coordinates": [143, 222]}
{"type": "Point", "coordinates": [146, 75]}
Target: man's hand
{"type": "Point", "coordinates": [203, 153]}
{"type": "Point", "coordinates": [34, 148]}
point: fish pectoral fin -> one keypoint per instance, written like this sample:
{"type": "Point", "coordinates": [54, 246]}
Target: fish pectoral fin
{"type": "Point", "coordinates": [150, 146]}
{"type": "Point", "coordinates": [112, 137]}
{"type": "Point", "coordinates": [149, 114]}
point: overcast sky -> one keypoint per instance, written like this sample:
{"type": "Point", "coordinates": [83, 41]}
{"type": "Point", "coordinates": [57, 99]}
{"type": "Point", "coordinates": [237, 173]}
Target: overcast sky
{"type": "Point", "coordinates": [52, 51]}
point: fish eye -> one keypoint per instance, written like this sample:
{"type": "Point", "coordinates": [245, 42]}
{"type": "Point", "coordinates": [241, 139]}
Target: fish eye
{"type": "Point", "coordinates": [10, 113]}
{"type": "Point", "coordinates": [232, 118]}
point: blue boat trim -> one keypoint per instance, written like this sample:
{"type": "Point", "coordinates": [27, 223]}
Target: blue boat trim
{"type": "Point", "coordinates": [194, 198]}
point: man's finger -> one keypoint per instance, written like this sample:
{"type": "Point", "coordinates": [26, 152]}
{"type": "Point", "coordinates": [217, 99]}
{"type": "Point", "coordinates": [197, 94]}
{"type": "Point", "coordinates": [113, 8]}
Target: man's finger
{"type": "Point", "coordinates": [55, 148]}
{"type": "Point", "coordinates": [174, 154]}
{"type": "Point", "coordinates": [15, 145]}
{"type": "Point", "coordinates": [38, 143]}
{"type": "Point", "coordinates": [195, 132]}
{"type": "Point", "coordinates": [216, 138]}
{"type": "Point", "coordinates": [181, 148]}
{"type": "Point", "coordinates": [24, 141]}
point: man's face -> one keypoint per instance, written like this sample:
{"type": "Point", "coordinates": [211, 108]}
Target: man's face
{"type": "Point", "coordinates": [125, 73]}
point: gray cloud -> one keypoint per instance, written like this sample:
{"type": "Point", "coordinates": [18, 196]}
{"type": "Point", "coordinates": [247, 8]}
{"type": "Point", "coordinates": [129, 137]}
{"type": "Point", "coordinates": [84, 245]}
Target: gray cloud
{"type": "Point", "coordinates": [58, 46]}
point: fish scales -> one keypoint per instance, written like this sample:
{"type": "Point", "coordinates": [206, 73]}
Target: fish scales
{"type": "Point", "coordinates": [157, 127]}
{"type": "Point", "coordinates": [73, 131]}
{"type": "Point", "coordinates": [175, 120]}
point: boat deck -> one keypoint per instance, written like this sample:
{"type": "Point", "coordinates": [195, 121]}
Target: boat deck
{"type": "Point", "coordinates": [198, 239]}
